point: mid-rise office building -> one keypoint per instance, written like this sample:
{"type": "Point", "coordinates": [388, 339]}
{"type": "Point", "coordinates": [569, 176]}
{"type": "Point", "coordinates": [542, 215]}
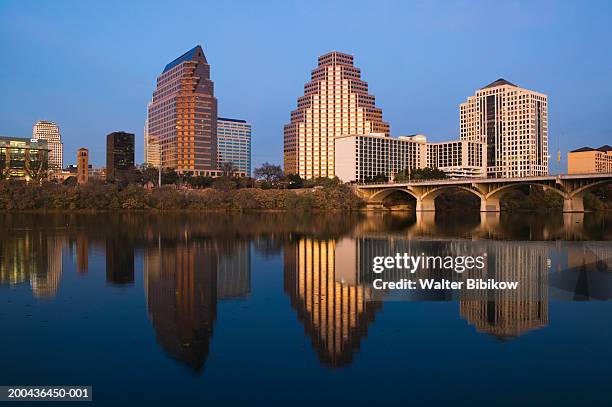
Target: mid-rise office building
{"type": "Point", "coordinates": [182, 115]}
{"type": "Point", "coordinates": [513, 122]}
{"type": "Point", "coordinates": [152, 147]}
{"type": "Point", "coordinates": [363, 157]}
{"type": "Point", "coordinates": [335, 102]}
{"type": "Point", "coordinates": [458, 158]}
{"type": "Point", "coordinates": [587, 160]}
{"type": "Point", "coordinates": [49, 131]}
{"type": "Point", "coordinates": [234, 143]}
{"type": "Point", "coordinates": [82, 166]}
{"type": "Point", "coordinates": [153, 153]}
{"type": "Point", "coordinates": [23, 158]}
{"type": "Point", "coordinates": [119, 154]}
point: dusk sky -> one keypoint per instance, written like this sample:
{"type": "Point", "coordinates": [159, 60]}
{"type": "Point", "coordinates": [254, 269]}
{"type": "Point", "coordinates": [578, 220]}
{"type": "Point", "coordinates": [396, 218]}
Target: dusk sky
{"type": "Point", "coordinates": [91, 66]}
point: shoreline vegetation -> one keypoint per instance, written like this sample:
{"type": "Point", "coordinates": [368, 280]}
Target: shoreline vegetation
{"type": "Point", "coordinates": [100, 196]}
{"type": "Point", "coordinates": [270, 190]}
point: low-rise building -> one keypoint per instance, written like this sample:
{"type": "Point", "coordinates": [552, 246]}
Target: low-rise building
{"type": "Point", "coordinates": [587, 160]}
{"type": "Point", "coordinates": [458, 158]}
{"type": "Point", "coordinates": [23, 158]}
{"type": "Point", "coordinates": [362, 157]}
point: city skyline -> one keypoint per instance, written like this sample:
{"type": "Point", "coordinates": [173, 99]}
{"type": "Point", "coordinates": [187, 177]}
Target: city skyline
{"type": "Point", "coordinates": [419, 83]}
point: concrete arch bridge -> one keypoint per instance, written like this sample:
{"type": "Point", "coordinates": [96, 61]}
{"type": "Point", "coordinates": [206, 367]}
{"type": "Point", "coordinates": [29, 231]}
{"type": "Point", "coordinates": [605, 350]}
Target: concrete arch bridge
{"type": "Point", "coordinates": [489, 190]}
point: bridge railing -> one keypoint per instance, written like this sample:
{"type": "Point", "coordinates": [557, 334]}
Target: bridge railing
{"type": "Point", "coordinates": [477, 179]}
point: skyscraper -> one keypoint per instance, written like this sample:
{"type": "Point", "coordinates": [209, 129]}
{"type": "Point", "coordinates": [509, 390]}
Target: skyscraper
{"type": "Point", "coordinates": [335, 103]}
{"type": "Point", "coordinates": [513, 122]}
{"type": "Point", "coordinates": [182, 115]}
{"type": "Point", "coordinates": [234, 143]}
{"type": "Point", "coordinates": [49, 131]}
{"type": "Point", "coordinates": [119, 154]}
{"type": "Point", "coordinates": [82, 165]}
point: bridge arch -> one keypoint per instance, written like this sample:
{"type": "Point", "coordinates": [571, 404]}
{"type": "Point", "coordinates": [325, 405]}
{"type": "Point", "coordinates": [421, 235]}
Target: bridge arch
{"type": "Point", "coordinates": [580, 191]}
{"type": "Point", "coordinates": [497, 192]}
{"type": "Point", "coordinates": [434, 193]}
{"type": "Point", "coordinates": [428, 199]}
{"type": "Point", "coordinates": [492, 198]}
{"type": "Point", "coordinates": [380, 196]}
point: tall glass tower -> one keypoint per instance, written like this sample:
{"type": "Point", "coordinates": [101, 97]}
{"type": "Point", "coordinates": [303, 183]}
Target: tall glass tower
{"type": "Point", "coordinates": [182, 115]}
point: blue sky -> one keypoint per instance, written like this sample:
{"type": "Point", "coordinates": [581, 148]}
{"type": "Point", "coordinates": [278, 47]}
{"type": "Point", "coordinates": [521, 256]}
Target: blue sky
{"type": "Point", "coordinates": [91, 66]}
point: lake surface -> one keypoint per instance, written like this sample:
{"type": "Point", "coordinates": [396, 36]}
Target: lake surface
{"type": "Point", "coordinates": [214, 308]}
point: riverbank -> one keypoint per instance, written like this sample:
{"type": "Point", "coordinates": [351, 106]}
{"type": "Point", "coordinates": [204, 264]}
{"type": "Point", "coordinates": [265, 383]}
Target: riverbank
{"type": "Point", "coordinates": [100, 196]}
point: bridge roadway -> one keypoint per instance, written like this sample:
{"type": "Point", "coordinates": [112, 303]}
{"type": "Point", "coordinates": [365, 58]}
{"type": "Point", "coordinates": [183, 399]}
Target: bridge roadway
{"type": "Point", "coordinates": [489, 190]}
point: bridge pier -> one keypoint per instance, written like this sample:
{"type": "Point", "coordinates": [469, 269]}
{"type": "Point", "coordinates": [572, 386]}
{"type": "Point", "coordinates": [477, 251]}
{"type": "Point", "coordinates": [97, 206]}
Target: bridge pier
{"type": "Point", "coordinates": [573, 204]}
{"type": "Point", "coordinates": [490, 204]}
{"type": "Point", "coordinates": [374, 205]}
{"type": "Point", "coordinates": [426, 204]}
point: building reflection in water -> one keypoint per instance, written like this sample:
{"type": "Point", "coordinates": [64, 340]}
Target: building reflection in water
{"type": "Point", "coordinates": [35, 257]}
{"type": "Point", "coordinates": [119, 261]}
{"type": "Point", "coordinates": [329, 284]}
{"type": "Point", "coordinates": [501, 313]}
{"type": "Point", "coordinates": [584, 271]}
{"type": "Point", "coordinates": [82, 253]}
{"type": "Point", "coordinates": [322, 282]}
{"type": "Point", "coordinates": [505, 314]}
{"type": "Point", "coordinates": [183, 281]}
{"type": "Point", "coordinates": [233, 269]}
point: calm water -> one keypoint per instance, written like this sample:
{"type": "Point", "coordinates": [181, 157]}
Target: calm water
{"type": "Point", "coordinates": [203, 309]}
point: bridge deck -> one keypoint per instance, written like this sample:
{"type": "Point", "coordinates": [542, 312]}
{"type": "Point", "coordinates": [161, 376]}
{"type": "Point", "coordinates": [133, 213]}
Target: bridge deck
{"type": "Point", "coordinates": [469, 181]}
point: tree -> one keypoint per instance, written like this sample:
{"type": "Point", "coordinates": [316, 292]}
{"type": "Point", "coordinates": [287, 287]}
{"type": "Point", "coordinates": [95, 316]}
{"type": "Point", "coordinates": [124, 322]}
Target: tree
{"type": "Point", "coordinates": [200, 181]}
{"type": "Point", "coordinates": [377, 178]}
{"type": "Point", "coordinates": [71, 180]}
{"type": "Point", "coordinates": [228, 169]}
{"type": "Point", "coordinates": [224, 183]}
{"type": "Point", "coordinates": [295, 181]}
{"type": "Point", "coordinates": [131, 176]}
{"type": "Point", "coordinates": [325, 182]}
{"type": "Point", "coordinates": [169, 176]}
{"type": "Point", "coordinates": [151, 174]}
{"type": "Point", "coordinates": [380, 178]}
{"type": "Point", "coordinates": [36, 165]}
{"type": "Point", "coordinates": [270, 173]}
{"type": "Point", "coordinates": [420, 174]}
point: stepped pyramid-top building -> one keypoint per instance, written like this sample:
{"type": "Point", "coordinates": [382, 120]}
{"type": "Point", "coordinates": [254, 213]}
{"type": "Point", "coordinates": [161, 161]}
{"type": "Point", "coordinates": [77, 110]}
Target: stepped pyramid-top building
{"type": "Point", "coordinates": [182, 116]}
{"type": "Point", "coordinates": [335, 102]}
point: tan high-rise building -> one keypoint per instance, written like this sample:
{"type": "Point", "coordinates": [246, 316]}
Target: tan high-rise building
{"type": "Point", "coordinates": [513, 122]}
{"type": "Point", "coordinates": [49, 131]}
{"type": "Point", "coordinates": [335, 102]}
{"type": "Point", "coordinates": [182, 116]}
{"type": "Point", "coordinates": [82, 166]}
